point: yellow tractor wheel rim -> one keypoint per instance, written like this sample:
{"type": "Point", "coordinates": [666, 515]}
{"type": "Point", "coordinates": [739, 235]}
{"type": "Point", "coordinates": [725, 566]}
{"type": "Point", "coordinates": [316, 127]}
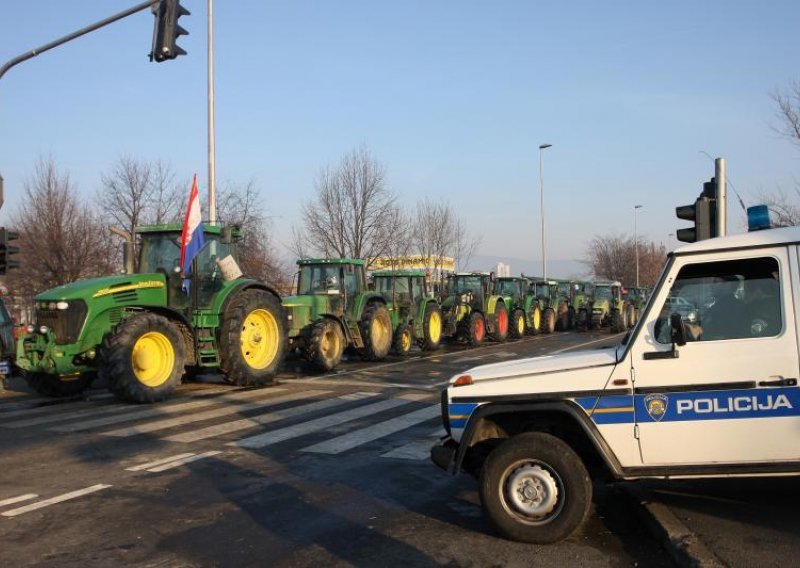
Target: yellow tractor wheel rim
{"type": "Point", "coordinates": [329, 344]}
{"type": "Point", "coordinates": [259, 339]}
{"type": "Point", "coordinates": [153, 359]}
{"type": "Point", "coordinates": [537, 318]}
{"type": "Point", "coordinates": [520, 323]}
{"type": "Point", "coordinates": [405, 341]}
{"type": "Point", "coordinates": [435, 327]}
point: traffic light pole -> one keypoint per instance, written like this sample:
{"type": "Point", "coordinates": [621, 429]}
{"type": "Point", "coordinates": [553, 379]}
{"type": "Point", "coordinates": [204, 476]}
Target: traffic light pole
{"type": "Point", "coordinates": [74, 35]}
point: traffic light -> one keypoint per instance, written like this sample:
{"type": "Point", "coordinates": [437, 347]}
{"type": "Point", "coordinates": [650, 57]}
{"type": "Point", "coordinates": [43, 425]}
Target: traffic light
{"type": "Point", "coordinates": [167, 30]}
{"type": "Point", "coordinates": [7, 250]}
{"type": "Point", "coordinates": [704, 214]}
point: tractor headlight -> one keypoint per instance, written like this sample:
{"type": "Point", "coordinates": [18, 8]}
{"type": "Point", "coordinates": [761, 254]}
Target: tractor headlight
{"type": "Point", "coordinates": [62, 305]}
{"type": "Point", "coordinates": [31, 328]}
{"type": "Point", "coordinates": [43, 329]}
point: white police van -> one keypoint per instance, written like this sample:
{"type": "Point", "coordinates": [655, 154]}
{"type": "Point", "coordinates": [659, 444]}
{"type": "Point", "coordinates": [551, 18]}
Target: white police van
{"type": "Point", "coordinates": [710, 391]}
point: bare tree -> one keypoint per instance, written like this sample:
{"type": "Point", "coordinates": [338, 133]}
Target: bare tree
{"type": "Point", "coordinates": [613, 257]}
{"type": "Point", "coordinates": [348, 216]}
{"type": "Point", "coordinates": [61, 239]}
{"type": "Point", "coordinates": [788, 103]}
{"type": "Point", "coordinates": [440, 233]}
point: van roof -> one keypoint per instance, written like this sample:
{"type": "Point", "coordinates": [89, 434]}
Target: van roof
{"type": "Point", "coordinates": [767, 237]}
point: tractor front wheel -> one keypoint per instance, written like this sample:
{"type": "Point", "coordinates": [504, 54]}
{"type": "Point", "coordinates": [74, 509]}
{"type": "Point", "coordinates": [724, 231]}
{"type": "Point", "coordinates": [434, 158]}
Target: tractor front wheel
{"type": "Point", "coordinates": [431, 328]}
{"type": "Point", "coordinates": [535, 323]}
{"type": "Point", "coordinates": [376, 331]}
{"type": "Point", "coordinates": [517, 328]}
{"type": "Point", "coordinates": [143, 358]}
{"type": "Point", "coordinates": [252, 338]}
{"type": "Point", "coordinates": [500, 332]}
{"type": "Point", "coordinates": [403, 339]}
{"type": "Point", "coordinates": [616, 321]}
{"type": "Point", "coordinates": [549, 321]}
{"type": "Point", "coordinates": [54, 386]}
{"type": "Point", "coordinates": [325, 344]}
{"type": "Point", "coordinates": [476, 330]}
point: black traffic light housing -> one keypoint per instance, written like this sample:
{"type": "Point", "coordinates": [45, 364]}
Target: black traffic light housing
{"type": "Point", "coordinates": [167, 30]}
{"type": "Point", "coordinates": [6, 250]}
{"type": "Point", "coordinates": [704, 214]}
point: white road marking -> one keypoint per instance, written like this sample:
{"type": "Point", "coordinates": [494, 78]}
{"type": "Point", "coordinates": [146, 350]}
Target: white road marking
{"type": "Point", "coordinates": [162, 410]}
{"type": "Point", "coordinates": [12, 500]}
{"type": "Point", "coordinates": [245, 423]}
{"type": "Point", "coordinates": [280, 435]}
{"type": "Point", "coordinates": [54, 500]}
{"type": "Point", "coordinates": [183, 461]}
{"type": "Point", "coordinates": [209, 414]}
{"type": "Point", "coordinates": [67, 416]}
{"type": "Point", "coordinates": [161, 461]}
{"type": "Point", "coordinates": [373, 432]}
{"type": "Point", "coordinates": [418, 449]}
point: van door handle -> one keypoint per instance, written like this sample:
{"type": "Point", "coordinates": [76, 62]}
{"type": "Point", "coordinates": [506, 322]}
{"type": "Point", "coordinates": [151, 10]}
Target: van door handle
{"type": "Point", "coordinates": [781, 382]}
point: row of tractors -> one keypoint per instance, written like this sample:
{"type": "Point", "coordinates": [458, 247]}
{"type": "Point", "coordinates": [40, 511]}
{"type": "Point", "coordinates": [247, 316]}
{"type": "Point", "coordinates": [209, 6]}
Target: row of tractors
{"type": "Point", "coordinates": [143, 333]}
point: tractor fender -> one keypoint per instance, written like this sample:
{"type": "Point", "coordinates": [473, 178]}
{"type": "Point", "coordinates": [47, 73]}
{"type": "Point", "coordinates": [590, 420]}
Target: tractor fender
{"type": "Point", "coordinates": [246, 284]}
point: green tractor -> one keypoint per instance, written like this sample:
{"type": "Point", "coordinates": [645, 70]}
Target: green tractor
{"type": "Point", "coordinates": [634, 299]}
{"type": "Point", "coordinates": [581, 303]}
{"type": "Point", "coordinates": [525, 315]}
{"type": "Point", "coordinates": [471, 311]}
{"type": "Point", "coordinates": [607, 306]}
{"type": "Point", "coordinates": [141, 332]}
{"type": "Point", "coordinates": [333, 309]}
{"type": "Point", "coordinates": [418, 315]}
{"type": "Point", "coordinates": [545, 294]}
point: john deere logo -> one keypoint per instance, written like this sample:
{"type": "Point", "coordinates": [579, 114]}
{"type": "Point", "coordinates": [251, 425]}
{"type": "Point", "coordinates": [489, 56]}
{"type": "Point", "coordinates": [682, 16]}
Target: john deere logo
{"type": "Point", "coordinates": [656, 405]}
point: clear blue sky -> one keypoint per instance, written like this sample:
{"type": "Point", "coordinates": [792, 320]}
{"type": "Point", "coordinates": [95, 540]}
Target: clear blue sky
{"type": "Point", "coordinates": [454, 97]}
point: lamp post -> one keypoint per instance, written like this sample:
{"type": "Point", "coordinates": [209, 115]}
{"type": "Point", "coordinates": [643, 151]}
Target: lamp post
{"type": "Point", "coordinates": [636, 242]}
{"type": "Point", "coordinates": [541, 206]}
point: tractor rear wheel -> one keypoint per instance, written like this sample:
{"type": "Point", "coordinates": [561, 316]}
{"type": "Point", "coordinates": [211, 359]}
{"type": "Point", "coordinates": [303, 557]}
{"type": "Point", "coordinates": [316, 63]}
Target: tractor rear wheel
{"type": "Point", "coordinates": [403, 339]}
{"type": "Point", "coordinates": [549, 320]}
{"type": "Point", "coordinates": [583, 320]}
{"type": "Point", "coordinates": [376, 331]}
{"type": "Point", "coordinates": [143, 358]}
{"type": "Point", "coordinates": [476, 329]}
{"type": "Point", "coordinates": [51, 385]}
{"type": "Point", "coordinates": [616, 321]}
{"type": "Point", "coordinates": [517, 328]}
{"type": "Point", "coordinates": [325, 344]}
{"type": "Point", "coordinates": [252, 338]}
{"type": "Point", "coordinates": [431, 328]}
{"type": "Point", "coordinates": [500, 332]}
{"type": "Point", "coordinates": [630, 316]}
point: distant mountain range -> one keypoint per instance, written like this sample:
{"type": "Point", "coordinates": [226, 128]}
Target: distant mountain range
{"type": "Point", "coordinates": [556, 268]}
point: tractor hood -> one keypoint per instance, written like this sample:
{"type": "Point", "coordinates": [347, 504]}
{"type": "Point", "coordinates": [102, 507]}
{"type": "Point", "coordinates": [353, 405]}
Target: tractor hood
{"type": "Point", "coordinates": [97, 288]}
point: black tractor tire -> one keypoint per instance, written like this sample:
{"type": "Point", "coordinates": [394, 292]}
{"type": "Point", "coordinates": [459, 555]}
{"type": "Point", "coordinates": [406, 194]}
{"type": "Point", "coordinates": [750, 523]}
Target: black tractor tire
{"type": "Point", "coordinates": [325, 344]}
{"type": "Point", "coordinates": [549, 466]}
{"type": "Point", "coordinates": [403, 340]}
{"type": "Point", "coordinates": [130, 351]}
{"type": "Point", "coordinates": [571, 318]}
{"type": "Point", "coordinates": [501, 323]}
{"type": "Point", "coordinates": [562, 319]}
{"type": "Point", "coordinates": [583, 322]}
{"type": "Point", "coordinates": [252, 338]}
{"type": "Point", "coordinates": [630, 316]}
{"type": "Point", "coordinates": [476, 329]}
{"type": "Point", "coordinates": [616, 321]}
{"type": "Point", "coordinates": [53, 386]}
{"type": "Point", "coordinates": [549, 321]}
{"type": "Point", "coordinates": [517, 327]}
{"type": "Point", "coordinates": [376, 331]}
{"type": "Point", "coordinates": [431, 328]}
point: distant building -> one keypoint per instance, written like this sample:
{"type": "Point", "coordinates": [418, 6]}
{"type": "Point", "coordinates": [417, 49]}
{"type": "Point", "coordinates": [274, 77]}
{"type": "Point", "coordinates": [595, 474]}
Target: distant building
{"type": "Point", "coordinates": [503, 269]}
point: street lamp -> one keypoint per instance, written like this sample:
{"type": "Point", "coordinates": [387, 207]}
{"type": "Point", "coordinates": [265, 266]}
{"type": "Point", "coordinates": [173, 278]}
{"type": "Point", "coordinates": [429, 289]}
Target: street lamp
{"type": "Point", "coordinates": [636, 242]}
{"type": "Point", "coordinates": [541, 206]}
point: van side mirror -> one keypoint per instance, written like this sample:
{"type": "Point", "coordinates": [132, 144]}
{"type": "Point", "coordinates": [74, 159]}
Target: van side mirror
{"type": "Point", "coordinates": [678, 330]}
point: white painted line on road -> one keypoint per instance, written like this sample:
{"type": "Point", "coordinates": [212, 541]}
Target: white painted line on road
{"type": "Point", "coordinates": [418, 449]}
{"type": "Point", "coordinates": [97, 410]}
{"type": "Point", "coordinates": [54, 500]}
{"type": "Point", "coordinates": [162, 410]}
{"type": "Point", "coordinates": [275, 436]}
{"type": "Point", "coordinates": [209, 414]}
{"type": "Point", "coordinates": [245, 423]}
{"type": "Point", "coordinates": [373, 432]}
{"type": "Point", "coordinates": [161, 461]}
{"type": "Point", "coordinates": [12, 500]}
{"type": "Point", "coordinates": [183, 461]}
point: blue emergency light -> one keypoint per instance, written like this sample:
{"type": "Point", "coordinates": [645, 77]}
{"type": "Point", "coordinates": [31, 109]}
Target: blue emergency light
{"type": "Point", "coordinates": [758, 218]}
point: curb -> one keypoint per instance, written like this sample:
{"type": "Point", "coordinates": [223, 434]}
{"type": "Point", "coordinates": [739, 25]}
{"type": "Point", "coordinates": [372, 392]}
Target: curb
{"type": "Point", "coordinates": [685, 548]}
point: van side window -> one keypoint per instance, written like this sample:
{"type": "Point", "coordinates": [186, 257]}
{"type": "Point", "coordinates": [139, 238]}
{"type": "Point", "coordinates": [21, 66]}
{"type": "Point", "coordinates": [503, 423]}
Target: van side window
{"type": "Point", "coordinates": [732, 299]}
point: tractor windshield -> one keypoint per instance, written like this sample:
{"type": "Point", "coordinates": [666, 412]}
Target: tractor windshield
{"type": "Point", "coordinates": [542, 290]}
{"type": "Point", "coordinates": [564, 288]}
{"type": "Point", "coordinates": [159, 252]}
{"type": "Point", "coordinates": [319, 279]}
{"type": "Point", "coordinates": [602, 293]}
{"type": "Point", "coordinates": [383, 285]}
{"type": "Point", "coordinates": [467, 284]}
{"type": "Point", "coordinates": [507, 288]}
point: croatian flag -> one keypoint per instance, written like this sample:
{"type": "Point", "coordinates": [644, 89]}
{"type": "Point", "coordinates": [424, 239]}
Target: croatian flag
{"type": "Point", "coordinates": [192, 235]}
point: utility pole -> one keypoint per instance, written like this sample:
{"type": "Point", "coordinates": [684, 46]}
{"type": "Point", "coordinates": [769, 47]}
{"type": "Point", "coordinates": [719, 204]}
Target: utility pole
{"type": "Point", "coordinates": [212, 172]}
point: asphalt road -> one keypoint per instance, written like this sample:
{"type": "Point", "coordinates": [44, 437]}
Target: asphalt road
{"type": "Point", "coordinates": [320, 470]}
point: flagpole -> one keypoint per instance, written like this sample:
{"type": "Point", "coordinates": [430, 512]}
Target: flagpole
{"type": "Point", "coordinates": [212, 189]}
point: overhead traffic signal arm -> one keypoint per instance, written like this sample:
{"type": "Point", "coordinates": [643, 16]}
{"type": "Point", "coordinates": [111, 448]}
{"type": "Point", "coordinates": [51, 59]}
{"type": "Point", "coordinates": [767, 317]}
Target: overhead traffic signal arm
{"type": "Point", "coordinates": [167, 30]}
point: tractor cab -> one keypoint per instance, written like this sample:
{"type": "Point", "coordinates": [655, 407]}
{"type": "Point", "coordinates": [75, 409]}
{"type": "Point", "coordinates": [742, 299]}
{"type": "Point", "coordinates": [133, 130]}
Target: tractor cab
{"type": "Point", "coordinates": [336, 281]}
{"type": "Point", "coordinates": [402, 288]}
{"type": "Point", "coordinates": [470, 288]}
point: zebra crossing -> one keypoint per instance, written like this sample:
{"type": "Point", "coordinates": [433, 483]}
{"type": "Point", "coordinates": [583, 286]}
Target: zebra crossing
{"type": "Point", "coordinates": [317, 420]}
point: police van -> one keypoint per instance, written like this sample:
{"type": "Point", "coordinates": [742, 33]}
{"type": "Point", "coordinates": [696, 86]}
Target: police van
{"type": "Point", "coordinates": [706, 391]}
